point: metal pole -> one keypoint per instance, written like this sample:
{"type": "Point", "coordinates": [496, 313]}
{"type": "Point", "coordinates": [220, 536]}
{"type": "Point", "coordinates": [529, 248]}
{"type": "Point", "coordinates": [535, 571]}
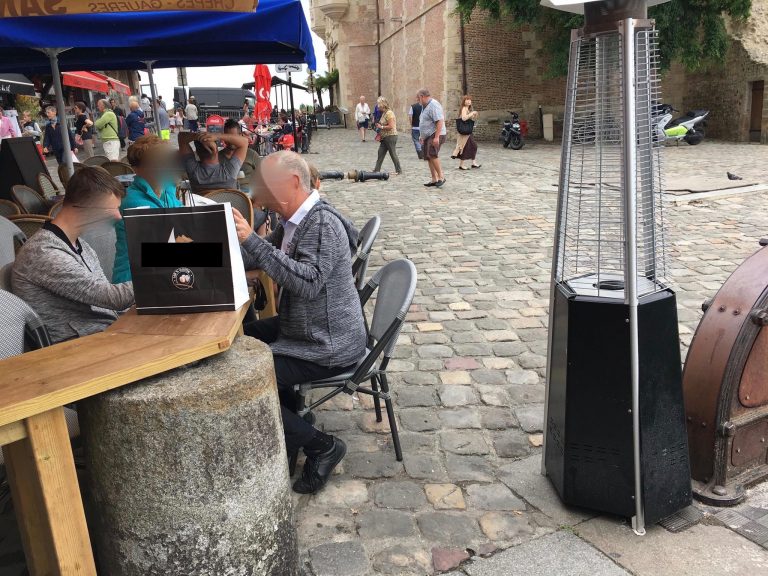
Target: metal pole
{"type": "Point", "coordinates": [565, 164]}
{"type": "Point", "coordinates": [293, 113]}
{"type": "Point", "coordinates": [53, 56]}
{"type": "Point", "coordinates": [630, 271]}
{"type": "Point", "coordinates": [149, 63]}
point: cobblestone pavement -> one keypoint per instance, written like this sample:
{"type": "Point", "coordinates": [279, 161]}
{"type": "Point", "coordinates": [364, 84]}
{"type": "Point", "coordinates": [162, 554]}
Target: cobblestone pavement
{"type": "Point", "coordinates": [468, 373]}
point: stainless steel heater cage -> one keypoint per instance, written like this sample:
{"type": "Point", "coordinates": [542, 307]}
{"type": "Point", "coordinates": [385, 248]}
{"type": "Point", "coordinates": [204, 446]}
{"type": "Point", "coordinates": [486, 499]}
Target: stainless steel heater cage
{"type": "Point", "coordinates": [609, 241]}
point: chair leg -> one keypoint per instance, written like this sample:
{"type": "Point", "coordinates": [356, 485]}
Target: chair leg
{"type": "Point", "coordinates": [391, 415]}
{"type": "Point", "coordinates": [376, 398]}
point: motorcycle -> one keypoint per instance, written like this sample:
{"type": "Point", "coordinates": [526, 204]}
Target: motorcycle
{"type": "Point", "coordinates": [689, 127]}
{"type": "Point", "coordinates": [511, 133]}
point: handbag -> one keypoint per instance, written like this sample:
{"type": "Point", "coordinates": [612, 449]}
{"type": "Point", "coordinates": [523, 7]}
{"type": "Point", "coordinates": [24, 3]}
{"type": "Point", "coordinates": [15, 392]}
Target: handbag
{"type": "Point", "coordinates": [465, 127]}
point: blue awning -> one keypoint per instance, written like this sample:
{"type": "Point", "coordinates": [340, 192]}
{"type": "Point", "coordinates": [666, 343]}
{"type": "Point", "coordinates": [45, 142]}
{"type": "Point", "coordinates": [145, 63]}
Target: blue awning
{"type": "Point", "coordinates": [276, 33]}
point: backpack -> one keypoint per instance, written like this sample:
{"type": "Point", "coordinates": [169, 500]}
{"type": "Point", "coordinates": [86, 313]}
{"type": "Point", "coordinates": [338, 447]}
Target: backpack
{"type": "Point", "coordinates": [122, 127]}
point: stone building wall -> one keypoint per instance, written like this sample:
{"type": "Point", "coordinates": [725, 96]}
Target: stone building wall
{"type": "Point", "coordinates": [726, 91]}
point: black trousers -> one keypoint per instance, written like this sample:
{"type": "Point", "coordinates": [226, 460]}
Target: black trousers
{"type": "Point", "coordinates": [290, 371]}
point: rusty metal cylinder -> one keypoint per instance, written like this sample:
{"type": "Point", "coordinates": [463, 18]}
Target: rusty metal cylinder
{"type": "Point", "coordinates": [188, 471]}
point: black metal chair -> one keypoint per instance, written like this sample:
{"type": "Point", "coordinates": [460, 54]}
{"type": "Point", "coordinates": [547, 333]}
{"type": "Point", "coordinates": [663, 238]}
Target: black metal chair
{"type": "Point", "coordinates": [368, 234]}
{"type": "Point", "coordinates": [395, 285]}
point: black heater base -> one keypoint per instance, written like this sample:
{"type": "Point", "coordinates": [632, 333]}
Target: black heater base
{"type": "Point", "coordinates": [589, 456]}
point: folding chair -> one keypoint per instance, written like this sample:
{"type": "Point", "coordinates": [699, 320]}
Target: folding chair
{"type": "Point", "coordinates": [395, 285]}
{"type": "Point", "coordinates": [368, 234]}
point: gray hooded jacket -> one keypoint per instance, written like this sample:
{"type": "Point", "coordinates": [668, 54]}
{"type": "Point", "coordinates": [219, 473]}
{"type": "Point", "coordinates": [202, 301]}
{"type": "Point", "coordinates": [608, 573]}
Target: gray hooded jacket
{"type": "Point", "coordinates": [321, 320]}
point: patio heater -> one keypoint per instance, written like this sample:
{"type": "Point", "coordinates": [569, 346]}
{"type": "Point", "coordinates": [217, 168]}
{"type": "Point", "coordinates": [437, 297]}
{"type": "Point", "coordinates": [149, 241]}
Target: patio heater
{"type": "Point", "coordinates": [615, 437]}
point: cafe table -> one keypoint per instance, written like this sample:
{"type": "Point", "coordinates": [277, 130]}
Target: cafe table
{"type": "Point", "coordinates": [36, 385]}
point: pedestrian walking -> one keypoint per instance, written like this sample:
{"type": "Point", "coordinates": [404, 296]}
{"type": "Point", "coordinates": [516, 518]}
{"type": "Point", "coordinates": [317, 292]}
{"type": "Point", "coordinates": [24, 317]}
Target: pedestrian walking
{"type": "Point", "coordinates": [466, 148]}
{"type": "Point", "coordinates": [387, 135]}
{"type": "Point", "coordinates": [191, 113]}
{"type": "Point", "coordinates": [122, 127]}
{"type": "Point", "coordinates": [414, 112]}
{"type": "Point", "coordinates": [83, 129]}
{"type": "Point", "coordinates": [362, 117]}
{"type": "Point", "coordinates": [432, 133]}
{"type": "Point", "coordinates": [107, 125]}
{"type": "Point", "coordinates": [135, 120]}
{"type": "Point", "coordinates": [52, 137]}
{"type": "Point", "coordinates": [163, 121]}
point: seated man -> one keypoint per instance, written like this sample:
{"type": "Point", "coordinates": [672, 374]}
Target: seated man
{"type": "Point", "coordinates": [209, 173]}
{"type": "Point", "coordinates": [319, 332]}
{"type": "Point", "coordinates": [58, 274]}
{"type": "Point", "coordinates": [252, 159]}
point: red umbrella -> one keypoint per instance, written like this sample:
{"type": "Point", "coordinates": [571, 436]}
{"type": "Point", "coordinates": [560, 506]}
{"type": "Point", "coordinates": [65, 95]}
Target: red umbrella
{"type": "Point", "coordinates": [262, 85]}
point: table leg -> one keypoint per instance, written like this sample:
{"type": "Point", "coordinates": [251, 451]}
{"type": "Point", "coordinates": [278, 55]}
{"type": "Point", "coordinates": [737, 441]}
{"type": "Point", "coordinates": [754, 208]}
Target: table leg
{"type": "Point", "coordinates": [46, 496]}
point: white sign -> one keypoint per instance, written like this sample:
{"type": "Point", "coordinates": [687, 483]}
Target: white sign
{"type": "Point", "coordinates": [288, 67]}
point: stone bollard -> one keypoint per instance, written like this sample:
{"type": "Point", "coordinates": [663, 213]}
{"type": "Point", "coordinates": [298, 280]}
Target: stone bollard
{"type": "Point", "coordinates": [188, 471]}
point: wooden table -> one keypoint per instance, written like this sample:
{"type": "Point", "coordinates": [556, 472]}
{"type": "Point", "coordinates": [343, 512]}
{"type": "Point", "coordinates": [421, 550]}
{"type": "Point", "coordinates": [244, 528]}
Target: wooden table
{"type": "Point", "coordinates": [34, 388]}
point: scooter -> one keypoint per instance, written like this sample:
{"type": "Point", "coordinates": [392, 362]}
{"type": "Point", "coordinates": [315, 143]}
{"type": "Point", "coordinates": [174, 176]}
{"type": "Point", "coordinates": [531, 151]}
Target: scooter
{"type": "Point", "coordinates": [689, 127]}
{"type": "Point", "coordinates": [511, 134]}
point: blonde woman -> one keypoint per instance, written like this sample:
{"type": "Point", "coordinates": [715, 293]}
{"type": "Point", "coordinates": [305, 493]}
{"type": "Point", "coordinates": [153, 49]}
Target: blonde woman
{"type": "Point", "coordinates": [387, 127]}
{"type": "Point", "coordinates": [466, 149]}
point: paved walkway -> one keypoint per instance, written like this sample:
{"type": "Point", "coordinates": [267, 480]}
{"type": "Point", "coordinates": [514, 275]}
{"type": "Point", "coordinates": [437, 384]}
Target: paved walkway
{"type": "Point", "coordinates": [468, 374]}
{"type": "Point", "coordinates": [468, 379]}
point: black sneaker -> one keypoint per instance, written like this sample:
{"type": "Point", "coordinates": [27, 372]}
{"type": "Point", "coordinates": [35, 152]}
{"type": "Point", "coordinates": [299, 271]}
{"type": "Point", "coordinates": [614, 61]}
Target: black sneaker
{"type": "Point", "coordinates": [431, 184]}
{"type": "Point", "coordinates": [439, 183]}
{"type": "Point", "coordinates": [319, 467]}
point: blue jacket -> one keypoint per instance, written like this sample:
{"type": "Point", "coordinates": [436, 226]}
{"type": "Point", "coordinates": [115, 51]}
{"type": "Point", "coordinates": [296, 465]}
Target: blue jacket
{"type": "Point", "coordinates": [135, 122]}
{"type": "Point", "coordinates": [138, 195]}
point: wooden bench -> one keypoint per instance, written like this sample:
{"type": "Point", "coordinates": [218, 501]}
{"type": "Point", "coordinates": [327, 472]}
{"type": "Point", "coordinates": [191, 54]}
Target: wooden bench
{"type": "Point", "coordinates": [35, 386]}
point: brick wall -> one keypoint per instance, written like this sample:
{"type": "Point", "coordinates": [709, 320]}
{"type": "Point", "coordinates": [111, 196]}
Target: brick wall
{"type": "Point", "coordinates": [726, 91]}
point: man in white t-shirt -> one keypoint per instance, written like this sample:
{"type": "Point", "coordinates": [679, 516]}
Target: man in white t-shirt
{"type": "Point", "coordinates": [362, 116]}
{"type": "Point", "coordinates": [191, 113]}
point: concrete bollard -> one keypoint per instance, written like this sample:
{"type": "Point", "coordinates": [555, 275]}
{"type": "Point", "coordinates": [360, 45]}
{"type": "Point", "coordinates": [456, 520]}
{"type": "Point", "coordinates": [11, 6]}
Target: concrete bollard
{"type": "Point", "coordinates": [188, 471]}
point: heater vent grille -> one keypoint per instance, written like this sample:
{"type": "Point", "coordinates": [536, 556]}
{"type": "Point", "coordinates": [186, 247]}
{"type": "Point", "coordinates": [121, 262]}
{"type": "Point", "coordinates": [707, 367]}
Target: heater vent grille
{"type": "Point", "coordinates": [591, 234]}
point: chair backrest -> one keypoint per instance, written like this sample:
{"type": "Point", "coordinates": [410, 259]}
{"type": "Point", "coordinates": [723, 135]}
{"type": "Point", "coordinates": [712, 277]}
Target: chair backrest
{"type": "Point", "coordinates": [97, 160]}
{"type": "Point", "coordinates": [47, 187]}
{"type": "Point", "coordinates": [368, 234]}
{"type": "Point", "coordinates": [55, 209]}
{"type": "Point", "coordinates": [28, 199]}
{"type": "Point", "coordinates": [103, 243]}
{"type": "Point", "coordinates": [64, 173]}
{"type": "Point", "coordinates": [8, 208]}
{"type": "Point", "coordinates": [238, 200]}
{"type": "Point", "coordinates": [29, 223]}
{"type": "Point", "coordinates": [117, 168]}
{"type": "Point", "coordinates": [20, 328]}
{"type": "Point", "coordinates": [11, 239]}
{"type": "Point", "coordinates": [395, 285]}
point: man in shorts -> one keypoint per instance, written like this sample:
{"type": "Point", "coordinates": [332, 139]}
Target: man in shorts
{"type": "Point", "coordinates": [432, 132]}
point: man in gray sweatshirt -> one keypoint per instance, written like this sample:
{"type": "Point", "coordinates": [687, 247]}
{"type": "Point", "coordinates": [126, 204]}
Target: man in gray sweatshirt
{"type": "Point", "coordinates": [58, 274]}
{"type": "Point", "coordinates": [319, 332]}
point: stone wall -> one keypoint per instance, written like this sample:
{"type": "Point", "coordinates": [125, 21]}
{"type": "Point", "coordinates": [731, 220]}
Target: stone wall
{"type": "Point", "coordinates": [726, 91]}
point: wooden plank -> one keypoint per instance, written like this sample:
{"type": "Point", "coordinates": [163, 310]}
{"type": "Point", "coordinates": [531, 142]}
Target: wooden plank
{"type": "Point", "coordinates": [50, 377]}
{"type": "Point", "coordinates": [12, 432]}
{"type": "Point", "coordinates": [44, 488]}
{"type": "Point", "coordinates": [208, 324]}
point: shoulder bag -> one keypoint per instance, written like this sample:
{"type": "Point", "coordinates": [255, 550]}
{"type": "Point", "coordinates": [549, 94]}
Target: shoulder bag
{"type": "Point", "coordinates": [465, 127]}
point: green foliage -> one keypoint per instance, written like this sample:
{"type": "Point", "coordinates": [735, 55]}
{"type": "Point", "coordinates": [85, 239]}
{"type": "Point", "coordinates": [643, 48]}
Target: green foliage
{"type": "Point", "coordinates": [691, 30]}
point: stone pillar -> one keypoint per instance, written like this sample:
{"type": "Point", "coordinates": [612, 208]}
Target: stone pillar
{"type": "Point", "coordinates": [188, 471]}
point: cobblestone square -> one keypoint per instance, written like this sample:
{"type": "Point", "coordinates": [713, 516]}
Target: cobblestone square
{"type": "Point", "coordinates": [468, 371]}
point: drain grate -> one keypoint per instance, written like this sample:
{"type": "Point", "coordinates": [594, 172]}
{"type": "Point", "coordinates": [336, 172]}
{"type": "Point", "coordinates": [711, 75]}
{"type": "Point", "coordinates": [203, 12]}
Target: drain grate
{"type": "Point", "coordinates": [754, 531]}
{"type": "Point", "coordinates": [682, 520]}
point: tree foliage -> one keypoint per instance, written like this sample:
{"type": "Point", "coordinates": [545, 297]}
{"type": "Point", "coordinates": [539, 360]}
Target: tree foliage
{"type": "Point", "coordinates": [691, 30]}
{"type": "Point", "coordinates": [324, 82]}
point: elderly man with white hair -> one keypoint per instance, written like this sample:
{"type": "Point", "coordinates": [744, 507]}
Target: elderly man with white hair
{"type": "Point", "coordinates": [319, 332]}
